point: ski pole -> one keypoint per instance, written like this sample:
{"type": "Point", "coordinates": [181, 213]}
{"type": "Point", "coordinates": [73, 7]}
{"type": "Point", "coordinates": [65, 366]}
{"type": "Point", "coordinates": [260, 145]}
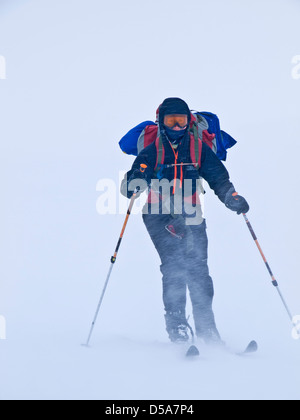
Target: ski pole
{"type": "Point", "coordinates": [274, 281]}
{"type": "Point", "coordinates": [112, 261]}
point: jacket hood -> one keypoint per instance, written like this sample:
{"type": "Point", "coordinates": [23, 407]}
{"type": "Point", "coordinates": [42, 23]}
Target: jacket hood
{"type": "Point", "coordinates": [172, 106]}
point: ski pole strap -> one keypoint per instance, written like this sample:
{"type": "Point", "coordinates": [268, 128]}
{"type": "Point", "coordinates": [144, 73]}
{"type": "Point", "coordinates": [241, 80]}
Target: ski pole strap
{"type": "Point", "coordinates": [274, 281]}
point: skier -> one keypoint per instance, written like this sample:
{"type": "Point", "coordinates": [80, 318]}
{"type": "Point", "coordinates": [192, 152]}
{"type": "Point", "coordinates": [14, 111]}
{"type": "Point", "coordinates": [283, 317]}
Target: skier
{"type": "Point", "coordinates": [174, 221]}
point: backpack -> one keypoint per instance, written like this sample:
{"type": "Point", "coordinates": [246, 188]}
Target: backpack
{"type": "Point", "coordinates": [204, 126]}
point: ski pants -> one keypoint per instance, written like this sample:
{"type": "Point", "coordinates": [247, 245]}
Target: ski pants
{"type": "Point", "coordinates": [184, 265]}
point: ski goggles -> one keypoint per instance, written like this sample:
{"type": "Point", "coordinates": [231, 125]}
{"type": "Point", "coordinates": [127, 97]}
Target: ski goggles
{"type": "Point", "coordinates": [176, 119]}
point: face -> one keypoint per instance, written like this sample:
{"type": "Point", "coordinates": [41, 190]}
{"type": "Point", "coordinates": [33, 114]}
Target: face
{"type": "Point", "coordinates": [176, 122]}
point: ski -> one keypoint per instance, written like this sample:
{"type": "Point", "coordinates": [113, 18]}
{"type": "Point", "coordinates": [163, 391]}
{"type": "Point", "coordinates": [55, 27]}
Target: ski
{"type": "Point", "coordinates": [192, 351]}
{"type": "Point", "coordinates": [251, 348]}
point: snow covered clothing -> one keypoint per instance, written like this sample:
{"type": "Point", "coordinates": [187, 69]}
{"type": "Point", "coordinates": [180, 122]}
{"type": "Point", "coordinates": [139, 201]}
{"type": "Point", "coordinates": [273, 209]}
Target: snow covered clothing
{"type": "Point", "coordinates": [178, 231]}
{"type": "Point", "coordinates": [184, 264]}
{"type": "Point", "coordinates": [177, 326]}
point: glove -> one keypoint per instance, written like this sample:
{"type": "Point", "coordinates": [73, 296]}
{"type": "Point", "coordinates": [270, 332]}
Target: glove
{"type": "Point", "coordinates": [136, 181]}
{"type": "Point", "coordinates": [236, 202]}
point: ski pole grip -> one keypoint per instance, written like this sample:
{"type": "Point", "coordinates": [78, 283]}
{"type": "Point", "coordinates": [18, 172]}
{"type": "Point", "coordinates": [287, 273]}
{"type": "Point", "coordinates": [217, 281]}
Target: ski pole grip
{"type": "Point", "coordinates": [143, 167]}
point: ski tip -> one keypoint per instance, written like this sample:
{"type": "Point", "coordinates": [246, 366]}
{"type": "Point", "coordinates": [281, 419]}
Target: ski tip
{"type": "Point", "coordinates": [192, 352]}
{"type": "Point", "coordinates": [252, 347]}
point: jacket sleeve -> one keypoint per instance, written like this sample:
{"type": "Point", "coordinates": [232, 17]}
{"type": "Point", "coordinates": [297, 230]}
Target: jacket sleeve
{"type": "Point", "coordinates": [214, 172]}
{"type": "Point", "coordinates": [146, 157]}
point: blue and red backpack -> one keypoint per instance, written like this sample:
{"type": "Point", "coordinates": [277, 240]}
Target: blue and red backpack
{"type": "Point", "coordinates": [204, 127]}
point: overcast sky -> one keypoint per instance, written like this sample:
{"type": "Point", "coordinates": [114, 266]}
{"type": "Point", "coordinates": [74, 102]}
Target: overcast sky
{"type": "Point", "coordinates": [75, 76]}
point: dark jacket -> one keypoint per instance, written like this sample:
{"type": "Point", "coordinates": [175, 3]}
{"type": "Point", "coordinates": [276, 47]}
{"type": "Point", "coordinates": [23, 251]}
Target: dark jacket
{"type": "Point", "coordinates": [211, 169]}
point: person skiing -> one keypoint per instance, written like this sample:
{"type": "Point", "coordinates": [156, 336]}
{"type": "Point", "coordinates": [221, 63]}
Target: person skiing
{"type": "Point", "coordinates": [174, 221]}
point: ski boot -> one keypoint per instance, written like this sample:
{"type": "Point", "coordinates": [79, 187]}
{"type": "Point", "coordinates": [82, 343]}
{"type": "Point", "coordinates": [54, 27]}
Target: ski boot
{"type": "Point", "coordinates": [211, 337]}
{"type": "Point", "coordinates": [177, 327]}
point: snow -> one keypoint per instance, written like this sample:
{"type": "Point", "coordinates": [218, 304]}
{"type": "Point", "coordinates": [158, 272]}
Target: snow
{"type": "Point", "coordinates": [78, 76]}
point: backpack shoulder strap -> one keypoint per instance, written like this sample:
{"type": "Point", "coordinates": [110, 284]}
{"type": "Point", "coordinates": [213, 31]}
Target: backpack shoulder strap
{"type": "Point", "coordinates": [195, 146]}
{"type": "Point", "coordinates": [195, 149]}
{"type": "Point", "coordinates": [160, 153]}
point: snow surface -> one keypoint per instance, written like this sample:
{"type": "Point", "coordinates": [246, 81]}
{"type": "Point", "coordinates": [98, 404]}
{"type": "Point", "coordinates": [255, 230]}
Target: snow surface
{"type": "Point", "coordinates": [79, 75]}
